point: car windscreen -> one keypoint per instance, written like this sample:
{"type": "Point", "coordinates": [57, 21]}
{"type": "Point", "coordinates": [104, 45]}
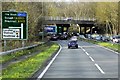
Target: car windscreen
{"type": "Point", "coordinates": [73, 41]}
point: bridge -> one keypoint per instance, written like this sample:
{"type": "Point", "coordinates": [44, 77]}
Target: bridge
{"type": "Point", "coordinates": [66, 22]}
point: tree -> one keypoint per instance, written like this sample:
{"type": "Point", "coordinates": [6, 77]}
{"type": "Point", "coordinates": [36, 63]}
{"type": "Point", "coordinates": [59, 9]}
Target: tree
{"type": "Point", "coordinates": [34, 11]}
{"type": "Point", "coordinates": [107, 13]}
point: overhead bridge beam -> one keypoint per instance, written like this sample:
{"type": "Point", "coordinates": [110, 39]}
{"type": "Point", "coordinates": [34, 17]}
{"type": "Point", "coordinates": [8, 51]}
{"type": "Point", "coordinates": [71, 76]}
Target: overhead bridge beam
{"type": "Point", "coordinates": [68, 22]}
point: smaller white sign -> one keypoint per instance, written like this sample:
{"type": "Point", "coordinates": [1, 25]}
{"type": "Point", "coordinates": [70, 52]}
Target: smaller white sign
{"type": "Point", "coordinates": [11, 33]}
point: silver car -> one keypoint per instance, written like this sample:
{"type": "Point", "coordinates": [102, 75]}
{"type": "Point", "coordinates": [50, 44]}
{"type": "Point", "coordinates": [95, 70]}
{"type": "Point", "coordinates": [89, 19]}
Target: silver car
{"type": "Point", "coordinates": [116, 39]}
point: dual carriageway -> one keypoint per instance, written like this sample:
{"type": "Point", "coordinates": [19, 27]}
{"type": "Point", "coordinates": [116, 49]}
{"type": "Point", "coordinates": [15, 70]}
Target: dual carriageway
{"type": "Point", "coordinates": [88, 62]}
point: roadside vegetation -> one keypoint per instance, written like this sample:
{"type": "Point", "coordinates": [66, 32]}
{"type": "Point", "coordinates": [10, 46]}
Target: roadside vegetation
{"type": "Point", "coordinates": [16, 55]}
{"type": "Point", "coordinates": [109, 45]}
{"type": "Point", "coordinates": [28, 67]}
{"type": "Point", "coordinates": [106, 14]}
{"type": "Point", "coordinates": [34, 11]}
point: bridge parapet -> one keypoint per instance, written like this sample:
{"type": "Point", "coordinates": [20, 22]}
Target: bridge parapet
{"type": "Point", "coordinates": [69, 18]}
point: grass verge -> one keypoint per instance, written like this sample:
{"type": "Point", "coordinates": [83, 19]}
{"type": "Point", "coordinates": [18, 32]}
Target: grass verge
{"type": "Point", "coordinates": [28, 67]}
{"type": "Point", "coordinates": [17, 54]}
{"type": "Point", "coordinates": [115, 47]}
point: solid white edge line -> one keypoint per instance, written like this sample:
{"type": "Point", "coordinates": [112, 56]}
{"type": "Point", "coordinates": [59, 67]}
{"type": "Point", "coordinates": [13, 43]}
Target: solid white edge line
{"type": "Point", "coordinates": [91, 58]}
{"type": "Point", "coordinates": [99, 69]}
{"type": "Point", "coordinates": [44, 71]}
{"type": "Point", "coordinates": [108, 49]}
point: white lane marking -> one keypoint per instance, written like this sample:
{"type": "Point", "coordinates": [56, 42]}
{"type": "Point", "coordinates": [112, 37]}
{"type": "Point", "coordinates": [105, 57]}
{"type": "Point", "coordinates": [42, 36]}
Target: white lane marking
{"type": "Point", "coordinates": [84, 50]}
{"type": "Point", "coordinates": [44, 71]}
{"type": "Point", "coordinates": [91, 58]}
{"type": "Point", "coordinates": [100, 69]}
{"type": "Point", "coordinates": [108, 49]}
{"type": "Point", "coordinates": [87, 53]}
{"type": "Point", "coordinates": [80, 47]}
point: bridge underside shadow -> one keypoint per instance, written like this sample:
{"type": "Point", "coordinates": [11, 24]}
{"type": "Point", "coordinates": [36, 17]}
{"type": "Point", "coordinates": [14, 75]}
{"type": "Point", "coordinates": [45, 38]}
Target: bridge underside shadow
{"type": "Point", "coordinates": [61, 28]}
{"type": "Point", "coordinates": [85, 27]}
{"type": "Point", "coordinates": [63, 25]}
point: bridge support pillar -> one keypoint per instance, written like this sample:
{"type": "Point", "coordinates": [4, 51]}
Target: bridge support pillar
{"type": "Point", "coordinates": [90, 30]}
{"type": "Point", "coordinates": [80, 30]}
{"type": "Point", "coordinates": [85, 31]}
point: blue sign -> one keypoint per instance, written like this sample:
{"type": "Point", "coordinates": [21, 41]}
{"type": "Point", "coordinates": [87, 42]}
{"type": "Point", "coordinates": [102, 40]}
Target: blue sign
{"type": "Point", "coordinates": [50, 28]}
{"type": "Point", "coordinates": [22, 14]}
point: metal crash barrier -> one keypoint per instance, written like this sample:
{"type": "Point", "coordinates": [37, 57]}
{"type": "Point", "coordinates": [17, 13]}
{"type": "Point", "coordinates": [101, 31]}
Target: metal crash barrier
{"type": "Point", "coordinates": [18, 49]}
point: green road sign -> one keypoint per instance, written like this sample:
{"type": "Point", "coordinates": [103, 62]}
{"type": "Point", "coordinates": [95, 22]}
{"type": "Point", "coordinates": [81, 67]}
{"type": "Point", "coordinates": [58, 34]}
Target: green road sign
{"type": "Point", "coordinates": [14, 25]}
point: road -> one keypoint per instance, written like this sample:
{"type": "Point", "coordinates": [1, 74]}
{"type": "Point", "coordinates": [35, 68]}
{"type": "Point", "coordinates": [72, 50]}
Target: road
{"type": "Point", "coordinates": [88, 61]}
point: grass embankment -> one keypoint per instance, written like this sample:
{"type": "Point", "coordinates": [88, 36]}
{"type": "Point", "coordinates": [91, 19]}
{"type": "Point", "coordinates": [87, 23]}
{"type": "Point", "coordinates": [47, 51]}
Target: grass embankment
{"type": "Point", "coordinates": [17, 54]}
{"type": "Point", "coordinates": [28, 67]}
{"type": "Point", "coordinates": [115, 47]}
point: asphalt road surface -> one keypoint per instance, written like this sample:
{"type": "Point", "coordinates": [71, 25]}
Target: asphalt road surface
{"type": "Point", "coordinates": [88, 61]}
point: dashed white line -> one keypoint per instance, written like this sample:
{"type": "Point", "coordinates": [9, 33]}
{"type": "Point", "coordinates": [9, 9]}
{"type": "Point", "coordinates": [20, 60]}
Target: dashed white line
{"type": "Point", "coordinates": [91, 58]}
{"type": "Point", "coordinates": [44, 71]}
{"type": "Point", "coordinates": [84, 50]}
{"type": "Point", "coordinates": [100, 69]}
{"type": "Point", "coordinates": [87, 53]}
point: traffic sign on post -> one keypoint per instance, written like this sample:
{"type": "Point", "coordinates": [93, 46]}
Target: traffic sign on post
{"type": "Point", "coordinates": [14, 25]}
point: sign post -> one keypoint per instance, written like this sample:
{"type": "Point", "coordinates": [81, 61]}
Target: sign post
{"type": "Point", "coordinates": [5, 45]}
{"type": "Point", "coordinates": [23, 43]}
{"type": "Point", "coordinates": [14, 25]}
